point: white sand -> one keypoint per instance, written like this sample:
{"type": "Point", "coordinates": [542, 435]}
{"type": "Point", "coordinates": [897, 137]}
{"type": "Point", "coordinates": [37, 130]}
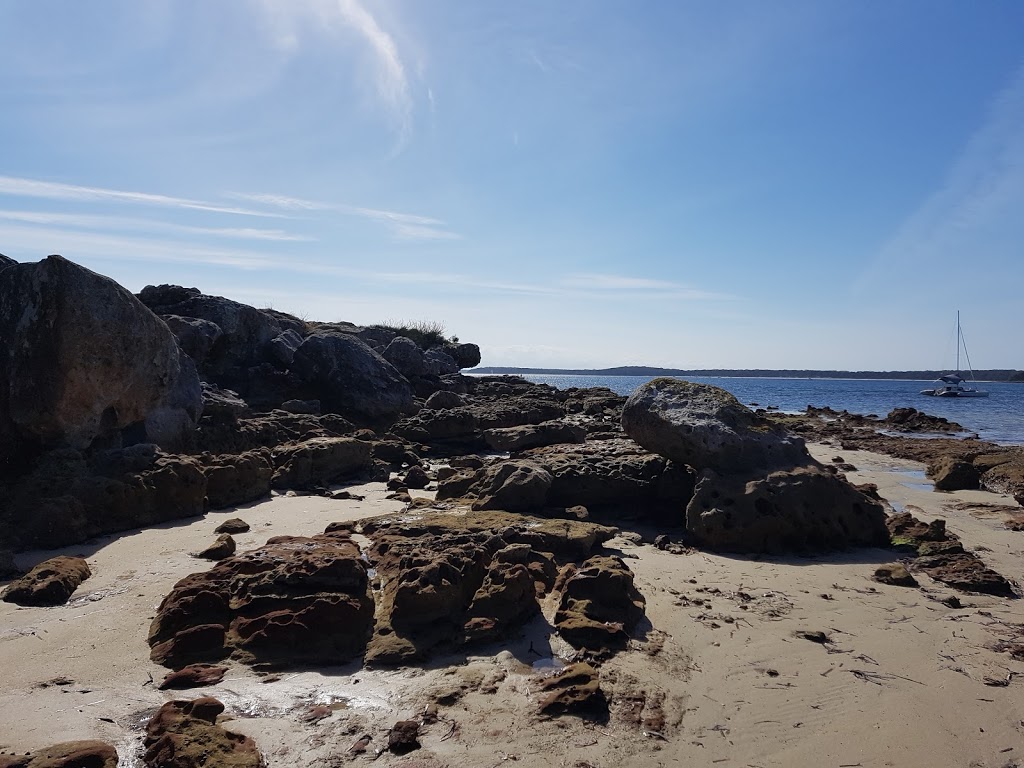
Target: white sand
{"type": "Point", "coordinates": [902, 683]}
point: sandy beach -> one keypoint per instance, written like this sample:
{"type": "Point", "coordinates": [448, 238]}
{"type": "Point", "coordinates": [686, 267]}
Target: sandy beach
{"type": "Point", "coordinates": [718, 674]}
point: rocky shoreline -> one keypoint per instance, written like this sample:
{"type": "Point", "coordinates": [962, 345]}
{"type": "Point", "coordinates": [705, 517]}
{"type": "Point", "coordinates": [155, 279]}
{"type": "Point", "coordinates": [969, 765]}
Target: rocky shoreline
{"type": "Point", "coordinates": [501, 506]}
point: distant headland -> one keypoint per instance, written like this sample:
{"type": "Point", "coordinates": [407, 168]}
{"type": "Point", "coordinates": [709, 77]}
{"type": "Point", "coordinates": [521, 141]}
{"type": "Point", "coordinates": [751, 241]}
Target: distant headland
{"type": "Point", "coordinates": [643, 370]}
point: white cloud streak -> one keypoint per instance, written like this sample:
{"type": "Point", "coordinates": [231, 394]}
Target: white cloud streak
{"type": "Point", "coordinates": [984, 186]}
{"type": "Point", "coordinates": [405, 226]}
{"type": "Point", "coordinates": [115, 223]}
{"type": "Point", "coordinates": [51, 190]}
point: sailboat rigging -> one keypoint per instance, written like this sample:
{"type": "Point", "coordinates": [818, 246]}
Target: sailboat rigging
{"type": "Point", "coordinates": [952, 384]}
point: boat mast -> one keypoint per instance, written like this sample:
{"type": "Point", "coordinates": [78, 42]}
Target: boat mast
{"type": "Point", "coordinates": [959, 339]}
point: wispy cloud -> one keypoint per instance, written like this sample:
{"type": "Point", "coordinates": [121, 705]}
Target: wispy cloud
{"type": "Point", "coordinates": [640, 285]}
{"type": "Point", "coordinates": [123, 223]}
{"type": "Point", "coordinates": [406, 226]}
{"type": "Point", "coordinates": [984, 188]}
{"type": "Point", "coordinates": [51, 190]}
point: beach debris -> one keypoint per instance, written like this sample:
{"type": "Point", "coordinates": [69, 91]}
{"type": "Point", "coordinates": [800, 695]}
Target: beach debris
{"type": "Point", "coordinates": [815, 636]}
{"type": "Point", "coordinates": [50, 583]}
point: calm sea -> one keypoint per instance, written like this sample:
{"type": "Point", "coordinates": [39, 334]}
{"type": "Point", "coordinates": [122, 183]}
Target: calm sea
{"type": "Point", "coordinates": [999, 417]}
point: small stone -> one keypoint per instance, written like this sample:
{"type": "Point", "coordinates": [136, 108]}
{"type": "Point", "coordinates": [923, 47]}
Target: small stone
{"type": "Point", "coordinates": [234, 525]}
{"type": "Point", "coordinates": [403, 737]}
{"type": "Point", "coordinates": [894, 574]}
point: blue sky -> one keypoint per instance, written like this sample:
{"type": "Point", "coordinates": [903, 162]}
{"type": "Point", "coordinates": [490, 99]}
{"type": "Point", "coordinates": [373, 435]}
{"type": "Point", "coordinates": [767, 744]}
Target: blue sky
{"type": "Point", "coordinates": [694, 184]}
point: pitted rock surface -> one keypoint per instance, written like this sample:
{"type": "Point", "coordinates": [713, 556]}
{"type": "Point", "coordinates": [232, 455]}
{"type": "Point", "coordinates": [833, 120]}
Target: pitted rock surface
{"type": "Point", "coordinates": [295, 600]}
{"type": "Point", "coordinates": [707, 428]}
{"type": "Point", "coordinates": [52, 582]}
{"type": "Point", "coordinates": [185, 734]}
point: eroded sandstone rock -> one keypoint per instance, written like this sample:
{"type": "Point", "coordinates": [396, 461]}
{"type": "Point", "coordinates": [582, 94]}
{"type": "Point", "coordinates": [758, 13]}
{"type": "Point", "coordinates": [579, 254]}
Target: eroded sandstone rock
{"type": "Point", "coordinates": [52, 582]}
{"type": "Point", "coordinates": [68, 754]}
{"type": "Point", "coordinates": [185, 734]}
{"type": "Point", "coordinates": [599, 605]}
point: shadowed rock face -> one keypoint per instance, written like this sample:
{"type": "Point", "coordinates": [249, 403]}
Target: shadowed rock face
{"type": "Point", "coordinates": [83, 359]}
{"type": "Point", "coordinates": [185, 734]}
{"type": "Point", "coordinates": [707, 428]}
{"type": "Point", "coordinates": [806, 509]}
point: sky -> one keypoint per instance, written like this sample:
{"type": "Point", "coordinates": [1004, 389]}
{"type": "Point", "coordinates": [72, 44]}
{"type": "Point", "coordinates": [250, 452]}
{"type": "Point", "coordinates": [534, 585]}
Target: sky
{"type": "Point", "coordinates": [567, 183]}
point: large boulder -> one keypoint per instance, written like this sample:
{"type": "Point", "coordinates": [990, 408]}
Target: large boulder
{"type": "Point", "coordinates": [237, 479]}
{"type": "Point", "coordinates": [350, 378]}
{"type": "Point", "coordinates": [514, 486]}
{"type": "Point", "coordinates": [196, 336]}
{"type": "Point", "coordinates": [708, 428]}
{"type": "Point", "coordinates": [319, 462]}
{"type": "Point", "coordinates": [406, 356]}
{"type": "Point", "coordinates": [805, 509]}
{"type": "Point", "coordinates": [83, 359]}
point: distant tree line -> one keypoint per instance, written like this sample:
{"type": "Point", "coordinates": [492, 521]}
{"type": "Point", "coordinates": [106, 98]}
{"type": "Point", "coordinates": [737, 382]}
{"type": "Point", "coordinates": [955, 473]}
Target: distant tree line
{"type": "Point", "coordinates": [993, 374]}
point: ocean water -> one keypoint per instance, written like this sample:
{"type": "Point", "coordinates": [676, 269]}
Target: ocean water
{"type": "Point", "coordinates": [998, 417]}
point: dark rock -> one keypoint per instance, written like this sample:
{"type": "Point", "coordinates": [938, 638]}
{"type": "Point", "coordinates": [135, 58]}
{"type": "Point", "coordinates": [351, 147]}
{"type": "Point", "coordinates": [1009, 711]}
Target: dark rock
{"type": "Point", "coordinates": [351, 379]}
{"type": "Point", "coordinates": [234, 525]}
{"type": "Point", "coordinates": [269, 430]}
{"type": "Point", "coordinates": [195, 336]}
{"type": "Point", "coordinates": [406, 356]}
{"type": "Point", "coordinates": [83, 360]}
{"type": "Point", "coordinates": [404, 737]}
{"type": "Point", "coordinates": [951, 474]}
{"type": "Point", "coordinates": [805, 509]}
{"type": "Point", "coordinates": [301, 406]}
{"type": "Point", "coordinates": [185, 734]}
{"type": "Point", "coordinates": [575, 690]}
{"type": "Point", "coordinates": [281, 348]}
{"type": "Point", "coordinates": [50, 583]}
{"type": "Point", "coordinates": [599, 605]}
{"type": "Point", "coordinates": [61, 502]}
{"type": "Point", "coordinates": [223, 547]}
{"type": "Point", "coordinates": [534, 435]}
{"type": "Point", "coordinates": [707, 428]}
{"type": "Point", "coordinates": [437, 362]}
{"type": "Point", "coordinates": [193, 676]}
{"type": "Point", "coordinates": [238, 479]}
{"type": "Point", "coordinates": [68, 754]}
{"type": "Point", "coordinates": [913, 420]}
{"type": "Point", "coordinates": [443, 400]}
{"type": "Point", "coordinates": [514, 486]}
{"type": "Point", "coordinates": [295, 600]}
{"type": "Point", "coordinates": [8, 567]}
{"type": "Point", "coordinates": [222, 406]}
{"type": "Point", "coordinates": [6, 261]}
{"type": "Point", "coordinates": [894, 574]}
{"type": "Point", "coordinates": [320, 461]}
{"type": "Point", "coordinates": [465, 355]}
{"type": "Point", "coordinates": [416, 478]}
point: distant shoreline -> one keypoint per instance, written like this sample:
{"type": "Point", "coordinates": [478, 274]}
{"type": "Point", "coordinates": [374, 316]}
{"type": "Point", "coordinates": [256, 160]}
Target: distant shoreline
{"type": "Point", "coordinates": [1009, 375]}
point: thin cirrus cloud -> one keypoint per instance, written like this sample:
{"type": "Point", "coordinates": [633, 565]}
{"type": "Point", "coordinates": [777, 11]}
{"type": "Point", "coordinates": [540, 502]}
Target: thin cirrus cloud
{"type": "Point", "coordinates": [640, 285]}
{"type": "Point", "coordinates": [122, 223]}
{"type": "Point", "coordinates": [406, 226]}
{"type": "Point", "coordinates": [51, 190]}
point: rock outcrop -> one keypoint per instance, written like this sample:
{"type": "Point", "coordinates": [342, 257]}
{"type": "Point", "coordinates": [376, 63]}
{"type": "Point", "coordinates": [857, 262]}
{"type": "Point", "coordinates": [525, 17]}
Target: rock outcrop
{"type": "Point", "coordinates": [599, 605]}
{"type": "Point", "coordinates": [52, 582]}
{"type": "Point", "coordinates": [298, 600]}
{"type": "Point", "coordinates": [82, 361]}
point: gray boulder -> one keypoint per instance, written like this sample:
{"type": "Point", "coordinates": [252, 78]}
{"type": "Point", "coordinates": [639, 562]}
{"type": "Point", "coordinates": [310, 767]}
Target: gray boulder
{"type": "Point", "coordinates": [281, 348]}
{"type": "Point", "coordinates": [406, 356]}
{"type": "Point", "coordinates": [351, 379]}
{"type": "Point", "coordinates": [439, 363]}
{"type": "Point", "coordinates": [708, 428]}
{"type": "Point", "coordinates": [81, 358]}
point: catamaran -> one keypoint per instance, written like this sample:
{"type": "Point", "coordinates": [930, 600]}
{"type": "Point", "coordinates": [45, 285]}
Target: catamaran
{"type": "Point", "coordinates": [952, 384]}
